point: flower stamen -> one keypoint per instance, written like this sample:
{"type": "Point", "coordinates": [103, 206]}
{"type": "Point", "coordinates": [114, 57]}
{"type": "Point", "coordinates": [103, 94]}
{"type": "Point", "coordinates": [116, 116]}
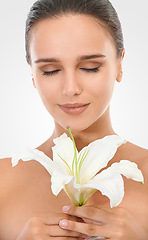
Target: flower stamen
{"type": "Point", "coordinates": [66, 165]}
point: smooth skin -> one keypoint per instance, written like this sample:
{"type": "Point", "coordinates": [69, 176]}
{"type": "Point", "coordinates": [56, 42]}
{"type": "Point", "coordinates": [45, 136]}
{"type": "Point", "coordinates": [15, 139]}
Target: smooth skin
{"type": "Point", "coordinates": [29, 210]}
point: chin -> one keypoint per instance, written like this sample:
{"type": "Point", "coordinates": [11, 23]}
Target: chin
{"type": "Point", "coordinates": [76, 127]}
{"type": "Point", "coordinates": [77, 124]}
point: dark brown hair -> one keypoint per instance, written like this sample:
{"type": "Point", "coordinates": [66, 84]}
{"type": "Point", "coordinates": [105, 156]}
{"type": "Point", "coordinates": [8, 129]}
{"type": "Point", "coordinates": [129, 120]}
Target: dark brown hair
{"type": "Point", "coordinates": [101, 10]}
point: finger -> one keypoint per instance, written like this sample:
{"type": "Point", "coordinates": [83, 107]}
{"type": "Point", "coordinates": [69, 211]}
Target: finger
{"type": "Point", "coordinates": [56, 231]}
{"type": "Point", "coordinates": [106, 208]}
{"type": "Point", "coordinates": [89, 212]}
{"type": "Point", "coordinates": [65, 238]}
{"type": "Point", "coordinates": [53, 220]}
{"type": "Point", "coordinates": [91, 221]}
{"type": "Point", "coordinates": [74, 218]}
{"type": "Point", "coordinates": [87, 229]}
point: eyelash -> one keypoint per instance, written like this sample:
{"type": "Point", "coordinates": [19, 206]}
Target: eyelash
{"type": "Point", "coordinates": [58, 70]}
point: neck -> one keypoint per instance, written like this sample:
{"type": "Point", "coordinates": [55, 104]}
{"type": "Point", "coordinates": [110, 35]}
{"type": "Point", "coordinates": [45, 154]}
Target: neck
{"type": "Point", "coordinates": [101, 128]}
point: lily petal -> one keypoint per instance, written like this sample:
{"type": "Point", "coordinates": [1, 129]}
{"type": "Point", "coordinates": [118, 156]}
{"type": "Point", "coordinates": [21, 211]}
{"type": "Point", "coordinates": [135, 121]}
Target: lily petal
{"type": "Point", "coordinates": [63, 148]}
{"type": "Point", "coordinates": [100, 153]}
{"type": "Point", "coordinates": [59, 179]}
{"type": "Point", "coordinates": [72, 192]}
{"type": "Point", "coordinates": [77, 194]}
{"type": "Point", "coordinates": [128, 169]}
{"type": "Point", "coordinates": [109, 184]}
{"type": "Point", "coordinates": [34, 154]}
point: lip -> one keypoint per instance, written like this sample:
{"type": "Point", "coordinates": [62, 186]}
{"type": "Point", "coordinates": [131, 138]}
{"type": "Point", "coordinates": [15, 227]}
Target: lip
{"type": "Point", "coordinates": [75, 108]}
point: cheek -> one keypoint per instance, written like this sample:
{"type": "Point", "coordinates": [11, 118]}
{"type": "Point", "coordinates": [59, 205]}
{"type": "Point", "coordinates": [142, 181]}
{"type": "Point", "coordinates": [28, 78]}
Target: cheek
{"type": "Point", "coordinates": [102, 87]}
{"type": "Point", "coordinates": [48, 94]}
{"type": "Point", "coordinates": [46, 88]}
{"type": "Point", "coordinates": [47, 91]}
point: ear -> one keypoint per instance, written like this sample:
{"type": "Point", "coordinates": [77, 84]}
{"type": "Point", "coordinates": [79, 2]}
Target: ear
{"type": "Point", "coordinates": [120, 72]}
{"type": "Point", "coordinates": [33, 81]}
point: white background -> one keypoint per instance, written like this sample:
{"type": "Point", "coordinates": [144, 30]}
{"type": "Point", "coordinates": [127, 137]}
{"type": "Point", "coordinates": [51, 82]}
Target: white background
{"type": "Point", "coordinates": [23, 119]}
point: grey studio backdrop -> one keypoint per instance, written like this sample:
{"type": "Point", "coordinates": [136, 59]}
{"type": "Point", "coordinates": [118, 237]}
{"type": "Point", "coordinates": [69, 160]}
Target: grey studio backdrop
{"type": "Point", "coordinates": [24, 122]}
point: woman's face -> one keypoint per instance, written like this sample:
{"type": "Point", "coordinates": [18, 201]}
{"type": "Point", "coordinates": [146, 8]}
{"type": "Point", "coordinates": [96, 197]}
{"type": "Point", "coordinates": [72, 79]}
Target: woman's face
{"type": "Point", "coordinates": [74, 68]}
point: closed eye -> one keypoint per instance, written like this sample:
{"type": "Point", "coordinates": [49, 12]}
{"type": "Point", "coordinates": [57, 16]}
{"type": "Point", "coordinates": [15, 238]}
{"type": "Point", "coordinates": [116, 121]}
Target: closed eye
{"type": "Point", "coordinates": [51, 72]}
{"type": "Point", "coordinates": [91, 69]}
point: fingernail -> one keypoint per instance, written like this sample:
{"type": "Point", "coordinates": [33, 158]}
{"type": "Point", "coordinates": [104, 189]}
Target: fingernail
{"type": "Point", "coordinates": [66, 209]}
{"type": "Point", "coordinates": [87, 237]}
{"type": "Point", "coordinates": [63, 223]}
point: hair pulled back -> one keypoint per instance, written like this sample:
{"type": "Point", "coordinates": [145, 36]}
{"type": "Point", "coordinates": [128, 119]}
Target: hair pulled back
{"type": "Point", "coordinates": [99, 9]}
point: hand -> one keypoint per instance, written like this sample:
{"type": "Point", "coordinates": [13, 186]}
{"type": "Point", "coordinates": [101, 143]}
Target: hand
{"type": "Point", "coordinates": [116, 223]}
{"type": "Point", "coordinates": [47, 227]}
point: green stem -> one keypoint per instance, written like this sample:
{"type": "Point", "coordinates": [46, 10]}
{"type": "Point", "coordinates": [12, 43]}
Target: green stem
{"type": "Point", "coordinates": [75, 153]}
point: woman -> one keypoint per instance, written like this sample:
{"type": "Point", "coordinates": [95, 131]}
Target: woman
{"type": "Point", "coordinates": [75, 51]}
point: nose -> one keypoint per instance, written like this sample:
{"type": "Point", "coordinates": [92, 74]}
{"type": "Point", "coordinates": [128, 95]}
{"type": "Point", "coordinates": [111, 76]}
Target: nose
{"type": "Point", "coordinates": [71, 85]}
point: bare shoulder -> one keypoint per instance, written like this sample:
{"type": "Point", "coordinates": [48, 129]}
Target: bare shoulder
{"type": "Point", "coordinates": [6, 180]}
{"type": "Point", "coordinates": [5, 171]}
{"type": "Point", "coordinates": [14, 179]}
{"type": "Point", "coordinates": [9, 174]}
{"type": "Point", "coordinates": [137, 154]}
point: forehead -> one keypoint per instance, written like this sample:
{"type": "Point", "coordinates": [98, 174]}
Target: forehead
{"type": "Point", "coordinates": [69, 35]}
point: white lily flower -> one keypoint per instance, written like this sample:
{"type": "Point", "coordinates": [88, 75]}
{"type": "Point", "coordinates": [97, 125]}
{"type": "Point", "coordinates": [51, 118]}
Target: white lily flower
{"type": "Point", "coordinates": [78, 172]}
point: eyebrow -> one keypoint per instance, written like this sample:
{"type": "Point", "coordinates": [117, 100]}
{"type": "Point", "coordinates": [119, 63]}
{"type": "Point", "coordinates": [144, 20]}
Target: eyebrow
{"type": "Point", "coordinates": [84, 57]}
